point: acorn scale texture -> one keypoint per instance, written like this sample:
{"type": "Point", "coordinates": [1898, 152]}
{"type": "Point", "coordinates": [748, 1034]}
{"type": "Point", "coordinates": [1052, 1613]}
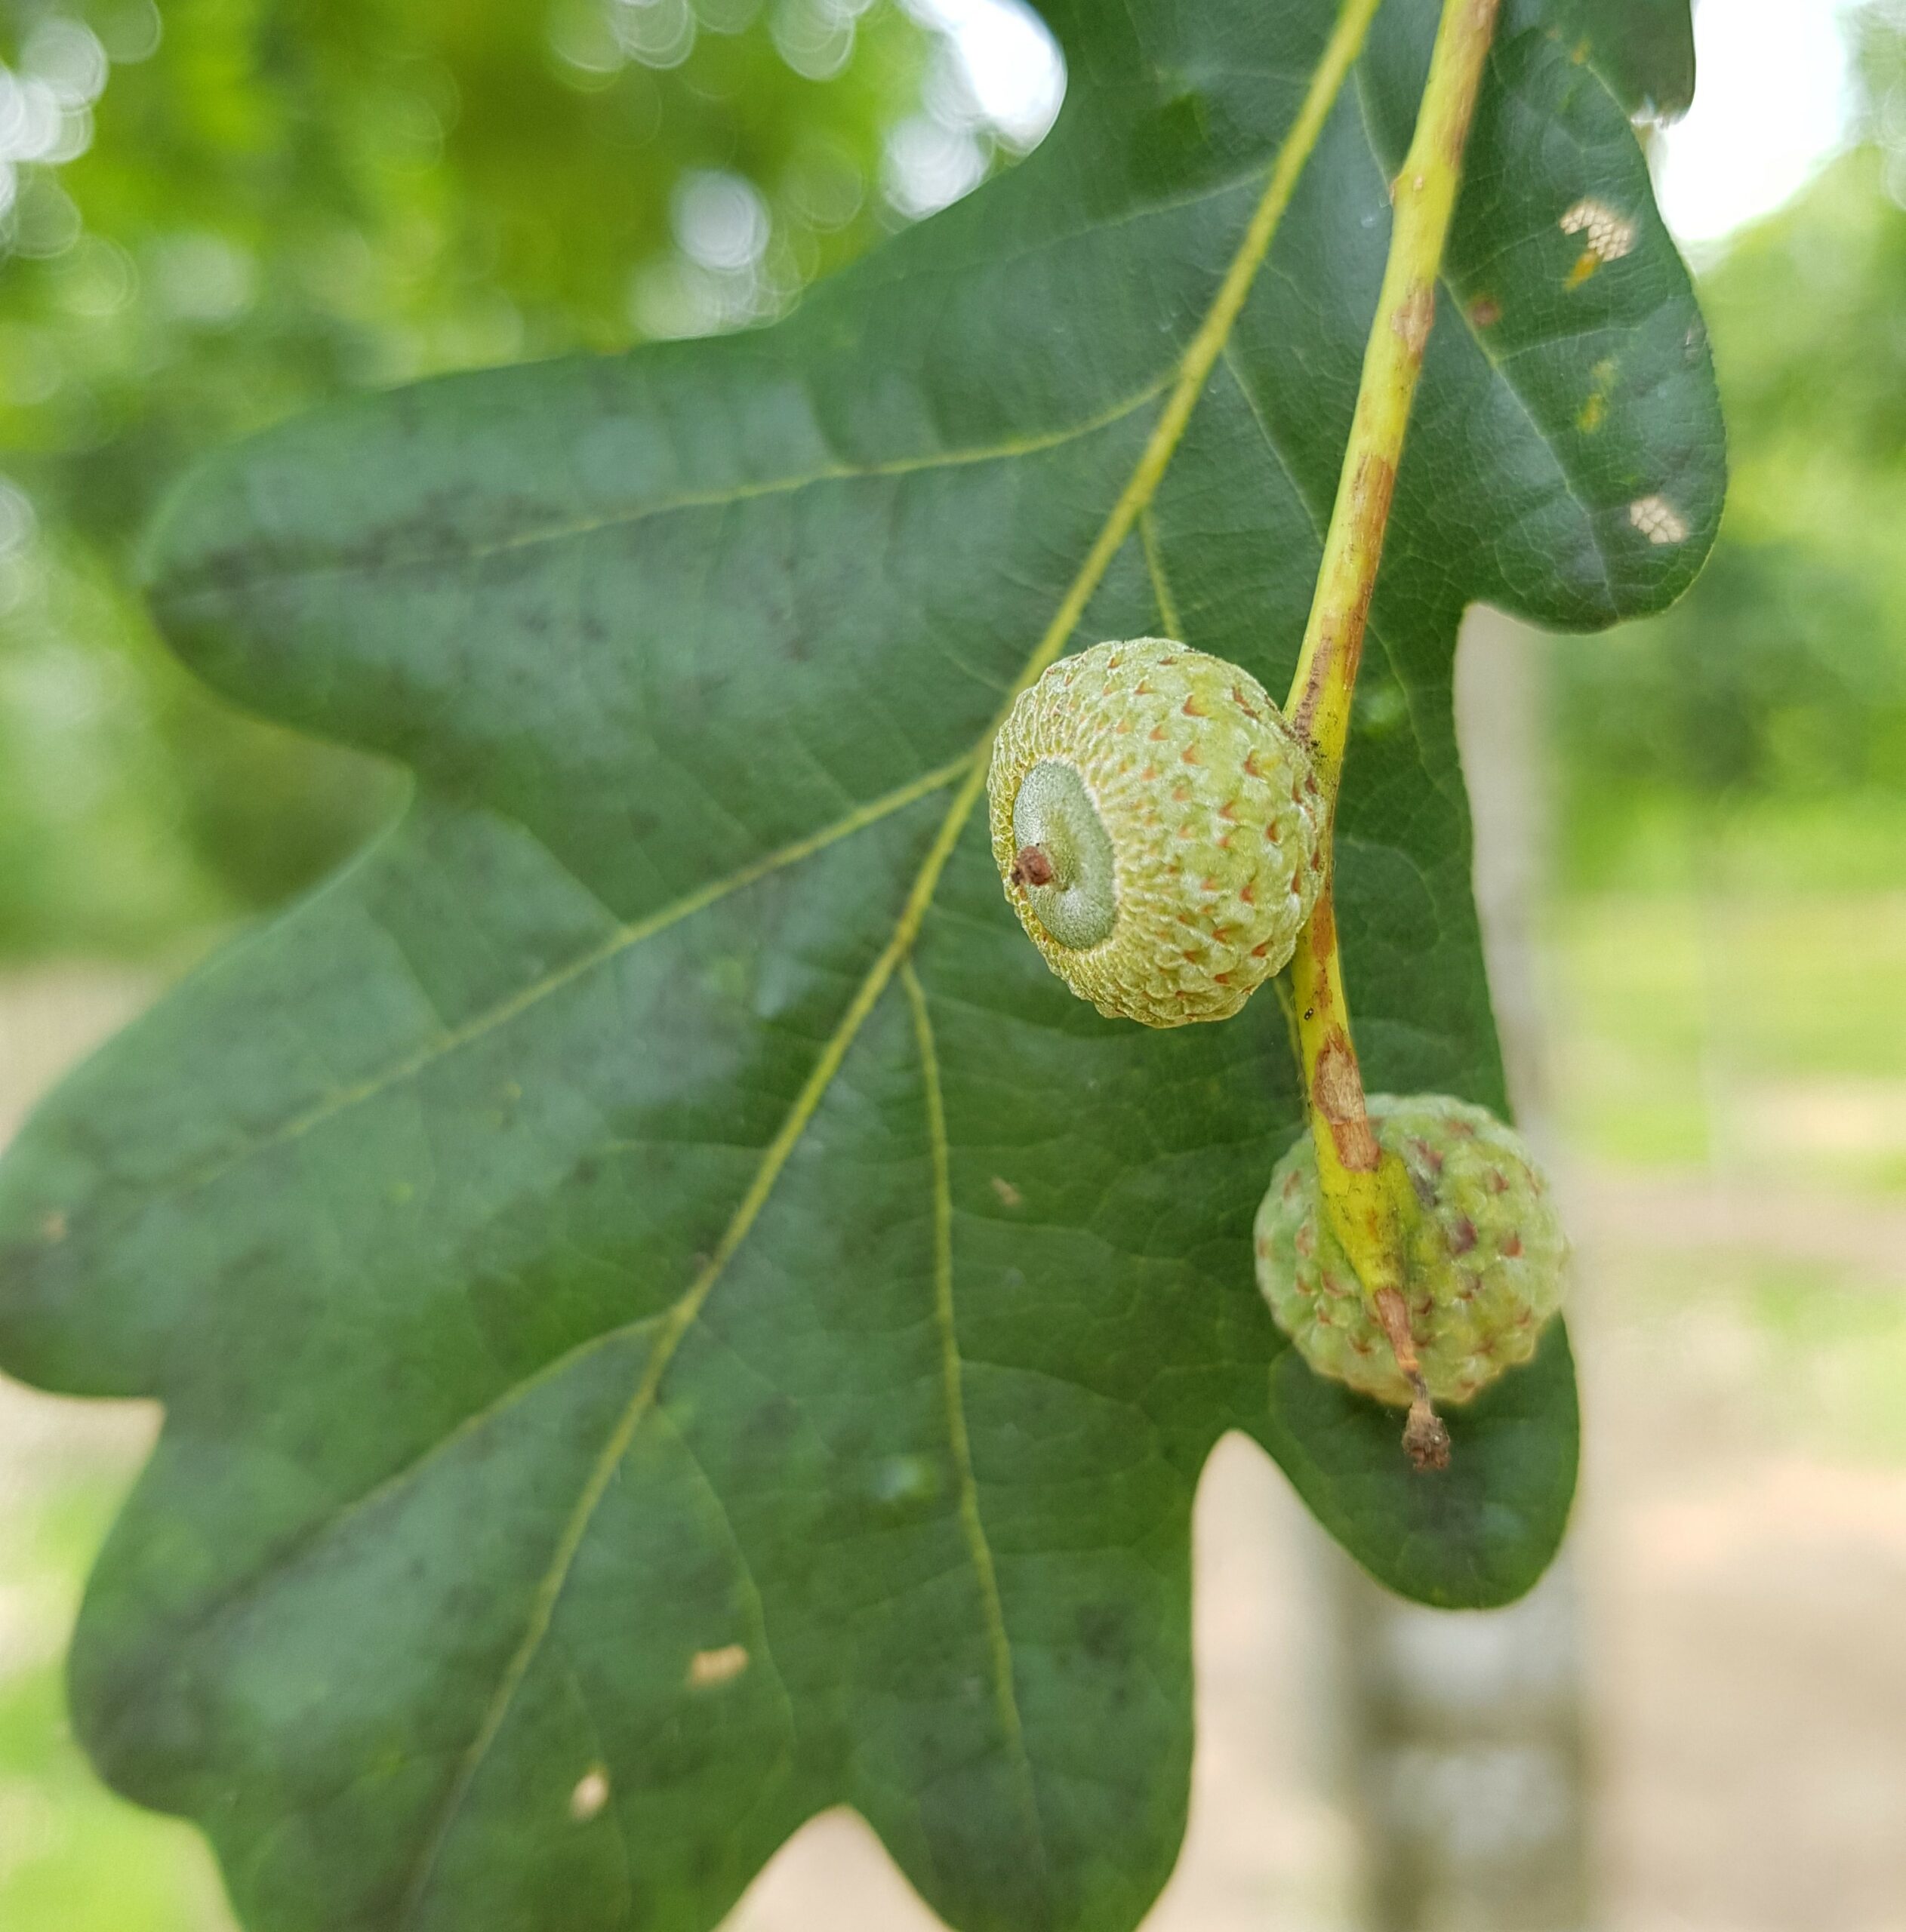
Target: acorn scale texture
{"type": "Point", "coordinates": [1158, 828]}
{"type": "Point", "coordinates": [1486, 1264]}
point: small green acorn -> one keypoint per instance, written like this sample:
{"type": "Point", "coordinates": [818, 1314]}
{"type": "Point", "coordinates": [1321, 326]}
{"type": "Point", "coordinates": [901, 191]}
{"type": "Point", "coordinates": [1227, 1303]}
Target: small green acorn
{"type": "Point", "coordinates": [1158, 829]}
{"type": "Point", "coordinates": [1485, 1263]}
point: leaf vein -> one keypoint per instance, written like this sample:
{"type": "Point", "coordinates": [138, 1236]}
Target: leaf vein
{"type": "Point", "coordinates": [372, 1086]}
{"type": "Point", "coordinates": [972, 1525]}
{"type": "Point", "coordinates": [1167, 609]}
{"type": "Point", "coordinates": [687, 500]}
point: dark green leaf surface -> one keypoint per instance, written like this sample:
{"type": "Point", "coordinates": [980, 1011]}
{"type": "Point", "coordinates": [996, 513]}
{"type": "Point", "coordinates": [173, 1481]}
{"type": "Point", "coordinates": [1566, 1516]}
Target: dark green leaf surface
{"type": "Point", "coordinates": [649, 1352]}
{"type": "Point", "coordinates": [1644, 49]}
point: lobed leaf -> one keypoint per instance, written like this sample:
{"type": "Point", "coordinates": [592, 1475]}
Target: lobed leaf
{"type": "Point", "coordinates": [670, 1317]}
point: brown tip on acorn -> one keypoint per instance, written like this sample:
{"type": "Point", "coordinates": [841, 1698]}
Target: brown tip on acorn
{"type": "Point", "coordinates": [1425, 1441]}
{"type": "Point", "coordinates": [1032, 867]}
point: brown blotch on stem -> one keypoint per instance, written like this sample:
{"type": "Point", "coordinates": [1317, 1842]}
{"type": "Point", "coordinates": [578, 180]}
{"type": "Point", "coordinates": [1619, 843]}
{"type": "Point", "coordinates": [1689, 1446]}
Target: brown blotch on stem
{"type": "Point", "coordinates": [1303, 718]}
{"type": "Point", "coordinates": [1414, 315]}
{"type": "Point", "coordinates": [1394, 1312]}
{"type": "Point", "coordinates": [1323, 926]}
{"type": "Point", "coordinates": [1425, 1440]}
{"type": "Point", "coordinates": [1337, 1091]}
{"type": "Point", "coordinates": [1372, 485]}
{"type": "Point", "coordinates": [1371, 490]}
{"type": "Point", "coordinates": [1031, 866]}
{"type": "Point", "coordinates": [1481, 24]}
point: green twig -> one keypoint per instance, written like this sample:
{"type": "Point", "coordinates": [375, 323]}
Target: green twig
{"type": "Point", "coordinates": [1367, 1194]}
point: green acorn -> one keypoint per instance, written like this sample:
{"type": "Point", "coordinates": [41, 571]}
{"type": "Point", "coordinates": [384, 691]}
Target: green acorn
{"type": "Point", "coordinates": [1486, 1263]}
{"type": "Point", "coordinates": [1158, 828]}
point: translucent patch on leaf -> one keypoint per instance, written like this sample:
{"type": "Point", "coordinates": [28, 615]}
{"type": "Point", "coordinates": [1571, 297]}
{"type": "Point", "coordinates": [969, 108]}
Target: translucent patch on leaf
{"type": "Point", "coordinates": [706, 1669]}
{"type": "Point", "coordinates": [1607, 236]}
{"type": "Point", "coordinates": [1594, 409]}
{"type": "Point", "coordinates": [591, 1794]}
{"type": "Point", "coordinates": [1610, 235]}
{"type": "Point", "coordinates": [1658, 520]}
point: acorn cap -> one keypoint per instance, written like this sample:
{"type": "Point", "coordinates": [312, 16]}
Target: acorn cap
{"type": "Point", "coordinates": [1486, 1263]}
{"type": "Point", "coordinates": [1158, 829]}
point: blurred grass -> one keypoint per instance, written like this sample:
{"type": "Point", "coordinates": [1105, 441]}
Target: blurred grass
{"type": "Point", "coordinates": [1737, 1005]}
{"type": "Point", "coordinates": [1833, 1359]}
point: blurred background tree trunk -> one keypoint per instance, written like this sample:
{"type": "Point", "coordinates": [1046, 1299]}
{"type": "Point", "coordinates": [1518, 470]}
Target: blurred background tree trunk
{"type": "Point", "coordinates": [1463, 1736]}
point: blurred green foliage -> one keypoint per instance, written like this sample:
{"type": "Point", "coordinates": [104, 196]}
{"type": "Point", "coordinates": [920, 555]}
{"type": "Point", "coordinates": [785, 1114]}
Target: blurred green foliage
{"type": "Point", "coordinates": [240, 206]}
{"type": "Point", "coordinates": [217, 211]}
{"type": "Point", "coordinates": [1782, 677]}
{"type": "Point", "coordinates": [73, 1856]}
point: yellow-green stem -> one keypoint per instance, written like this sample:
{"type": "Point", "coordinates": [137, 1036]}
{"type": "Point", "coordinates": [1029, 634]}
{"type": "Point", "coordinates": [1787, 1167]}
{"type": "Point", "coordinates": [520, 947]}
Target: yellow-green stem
{"type": "Point", "coordinates": [1367, 1196]}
